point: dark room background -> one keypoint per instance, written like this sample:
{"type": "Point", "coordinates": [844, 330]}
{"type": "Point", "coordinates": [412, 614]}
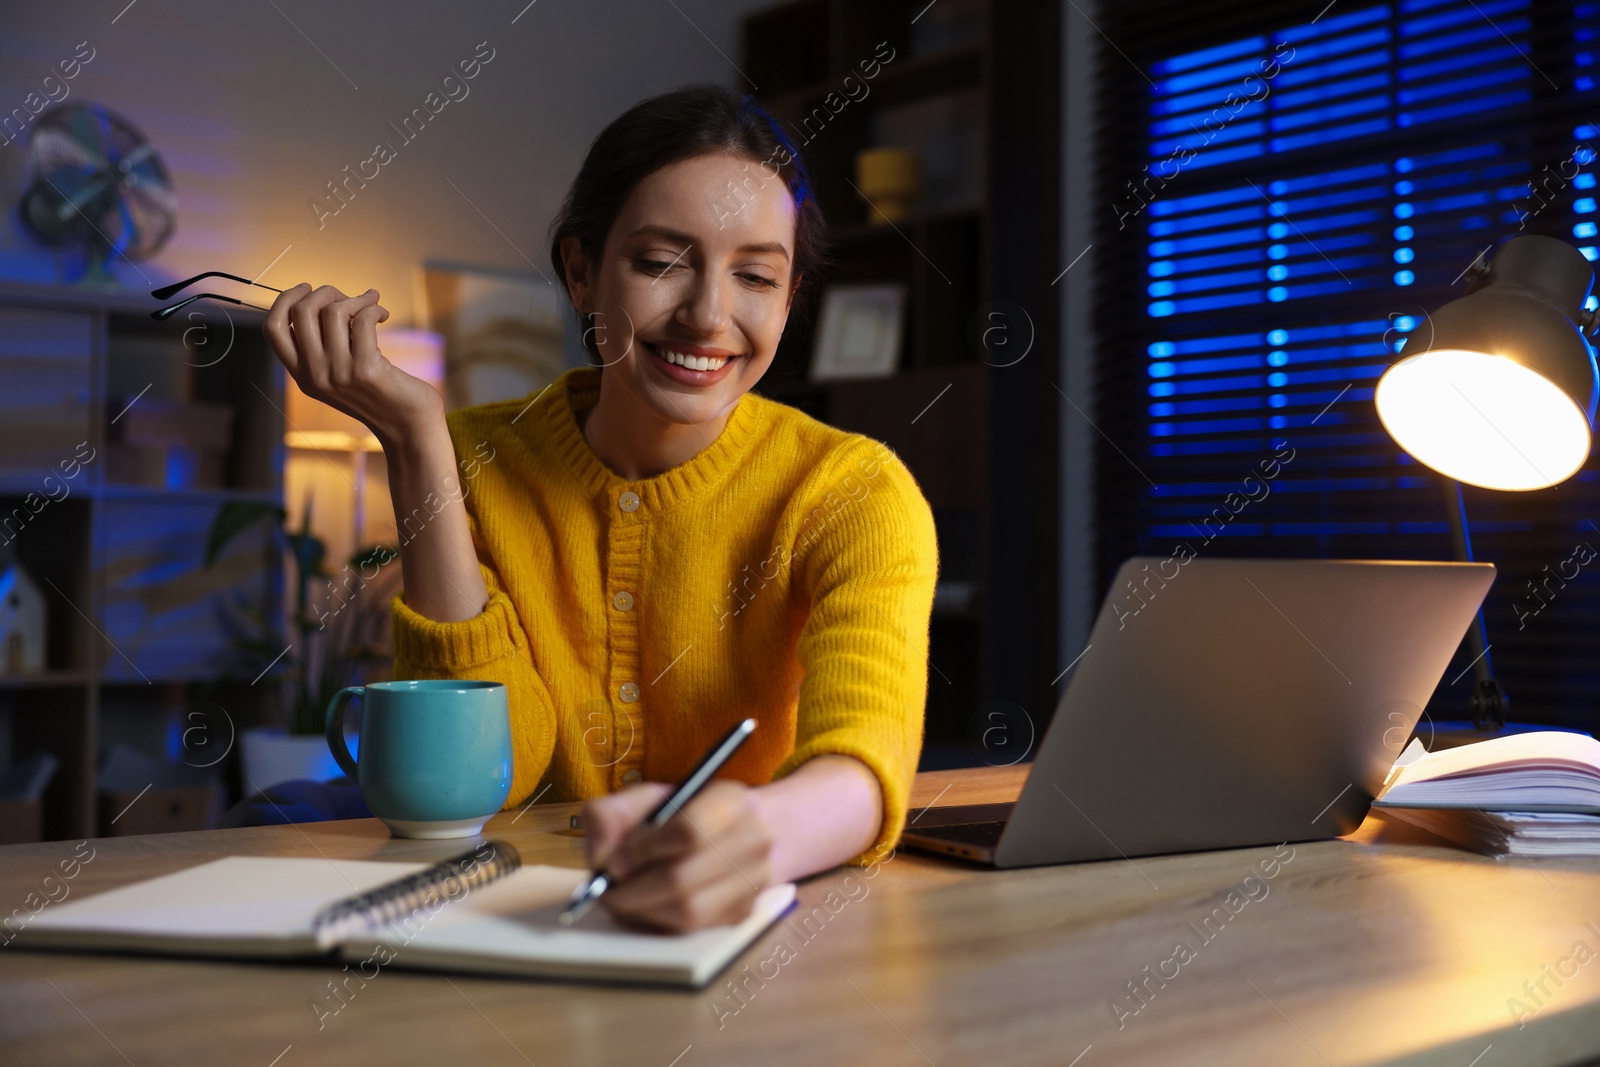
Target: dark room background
{"type": "Point", "coordinates": [1283, 195]}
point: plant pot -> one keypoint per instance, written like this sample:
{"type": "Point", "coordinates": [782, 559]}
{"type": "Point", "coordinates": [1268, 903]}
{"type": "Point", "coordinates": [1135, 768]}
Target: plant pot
{"type": "Point", "coordinates": [270, 756]}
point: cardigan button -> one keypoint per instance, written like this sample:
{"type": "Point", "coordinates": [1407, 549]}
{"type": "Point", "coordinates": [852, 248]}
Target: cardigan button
{"type": "Point", "coordinates": [628, 501]}
{"type": "Point", "coordinates": [628, 692]}
{"type": "Point", "coordinates": [632, 777]}
{"type": "Point", "coordinates": [623, 601]}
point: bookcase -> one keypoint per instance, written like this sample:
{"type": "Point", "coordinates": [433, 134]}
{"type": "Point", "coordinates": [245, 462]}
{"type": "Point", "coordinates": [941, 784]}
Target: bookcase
{"type": "Point", "coordinates": [139, 637]}
{"type": "Point", "coordinates": [973, 86]}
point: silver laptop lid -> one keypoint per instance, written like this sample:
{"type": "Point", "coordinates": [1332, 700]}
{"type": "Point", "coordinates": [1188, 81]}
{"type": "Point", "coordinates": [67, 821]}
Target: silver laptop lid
{"type": "Point", "coordinates": [1229, 702]}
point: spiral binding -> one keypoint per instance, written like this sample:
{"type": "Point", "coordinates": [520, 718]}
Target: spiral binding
{"type": "Point", "coordinates": [447, 880]}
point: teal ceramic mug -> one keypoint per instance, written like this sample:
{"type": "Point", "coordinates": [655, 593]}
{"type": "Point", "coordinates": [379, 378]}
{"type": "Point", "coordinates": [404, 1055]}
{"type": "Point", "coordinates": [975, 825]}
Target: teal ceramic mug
{"type": "Point", "coordinates": [435, 754]}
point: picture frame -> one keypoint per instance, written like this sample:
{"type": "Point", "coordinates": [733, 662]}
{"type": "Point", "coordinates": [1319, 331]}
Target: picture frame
{"type": "Point", "coordinates": [860, 332]}
{"type": "Point", "coordinates": [505, 333]}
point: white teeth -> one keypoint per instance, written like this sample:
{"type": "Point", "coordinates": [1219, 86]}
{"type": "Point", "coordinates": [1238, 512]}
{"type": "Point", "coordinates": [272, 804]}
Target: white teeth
{"type": "Point", "coordinates": [691, 362]}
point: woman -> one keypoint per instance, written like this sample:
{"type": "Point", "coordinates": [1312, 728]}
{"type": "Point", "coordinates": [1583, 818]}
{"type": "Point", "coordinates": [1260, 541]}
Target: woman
{"type": "Point", "coordinates": [646, 552]}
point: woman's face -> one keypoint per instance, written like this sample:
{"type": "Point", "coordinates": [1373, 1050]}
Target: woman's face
{"type": "Point", "coordinates": [694, 286]}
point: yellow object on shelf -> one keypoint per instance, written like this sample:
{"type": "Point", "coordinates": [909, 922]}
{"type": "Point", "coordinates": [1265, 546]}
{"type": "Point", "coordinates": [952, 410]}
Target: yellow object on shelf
{"type": "Point", "coordinates": [889, 179]}
{"type": "Point", "coordinates": [331, 441]}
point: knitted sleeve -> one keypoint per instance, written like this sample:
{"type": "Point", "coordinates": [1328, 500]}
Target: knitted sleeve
{"type": "Point", "coordinates": [492, 646]}
{"type": "Point", "coordinates": [867, 557]}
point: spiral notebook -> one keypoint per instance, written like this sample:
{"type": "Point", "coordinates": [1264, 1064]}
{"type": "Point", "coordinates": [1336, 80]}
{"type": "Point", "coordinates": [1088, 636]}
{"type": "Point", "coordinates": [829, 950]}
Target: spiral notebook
{"type": "Point", "coordinates": [268, 907]}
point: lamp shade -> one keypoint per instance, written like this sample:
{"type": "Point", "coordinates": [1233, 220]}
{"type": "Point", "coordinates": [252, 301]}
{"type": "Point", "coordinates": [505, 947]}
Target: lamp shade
{"type": "Point", "coordinates": [1498, 388]}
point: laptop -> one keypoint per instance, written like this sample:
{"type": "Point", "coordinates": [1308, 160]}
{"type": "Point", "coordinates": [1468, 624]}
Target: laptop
{"type": "Point", "coordinates": [1226, 703]}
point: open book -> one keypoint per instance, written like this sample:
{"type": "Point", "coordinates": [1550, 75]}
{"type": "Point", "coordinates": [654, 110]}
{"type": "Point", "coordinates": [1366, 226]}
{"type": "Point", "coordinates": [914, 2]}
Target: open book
{"type": "Point", "coordinates": [1527, 794]}
{"type": "Point", "coordinates": [258, 906]}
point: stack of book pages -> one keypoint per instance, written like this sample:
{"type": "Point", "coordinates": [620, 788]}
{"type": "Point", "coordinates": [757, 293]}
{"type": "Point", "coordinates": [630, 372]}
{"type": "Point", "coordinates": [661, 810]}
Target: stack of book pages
{"type": "Point", "coordinates": [1533, 794]}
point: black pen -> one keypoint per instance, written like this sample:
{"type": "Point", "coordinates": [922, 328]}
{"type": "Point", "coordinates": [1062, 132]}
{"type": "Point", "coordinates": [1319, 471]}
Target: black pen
{"type": "Point", "coordinates": [585, 895]}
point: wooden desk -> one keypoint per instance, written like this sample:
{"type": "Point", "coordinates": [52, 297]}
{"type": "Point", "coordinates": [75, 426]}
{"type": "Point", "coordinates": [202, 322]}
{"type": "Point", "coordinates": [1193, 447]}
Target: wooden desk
{"type": "Point", "coordinates": [1386, 947]}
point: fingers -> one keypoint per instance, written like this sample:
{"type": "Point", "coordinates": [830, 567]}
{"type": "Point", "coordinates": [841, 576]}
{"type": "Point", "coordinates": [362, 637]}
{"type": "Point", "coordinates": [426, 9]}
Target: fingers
{"type": "Point", "coordinates": [708, 817]}
{"type": "Point", "coordinates": [279, 335]}
{"type": "Point", "coordinates": [607, 820]}
{"type": "Point", "coordinates": [740, 851]}
{"type": "Point", "coordinates": [715, 882]}
{"type": "Point", "coordinates": [664, 899]}
{"type": "Point", "coordinates": [335, 321]}
{"type": "Point", "coordinates": [305, 318]}
{"type": "Point", "coordinates": [364, 353]}
{"type": "Point", "coordinates": [702, 867]}
{"type": "Point", "coordinates": [320, 335]}
{"type": "Point", "coordinates": [724, 811]}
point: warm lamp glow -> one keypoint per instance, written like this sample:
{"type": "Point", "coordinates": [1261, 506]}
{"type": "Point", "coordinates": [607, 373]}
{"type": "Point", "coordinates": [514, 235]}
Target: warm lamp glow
{"type": "Point", "coordinates": [1500, 391]}
{"type": "Point", "coordinates": [1485, 420]}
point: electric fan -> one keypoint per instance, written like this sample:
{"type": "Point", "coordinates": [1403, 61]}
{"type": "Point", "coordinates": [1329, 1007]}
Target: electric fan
{"type": "Point", "coordinates": [94, 182]}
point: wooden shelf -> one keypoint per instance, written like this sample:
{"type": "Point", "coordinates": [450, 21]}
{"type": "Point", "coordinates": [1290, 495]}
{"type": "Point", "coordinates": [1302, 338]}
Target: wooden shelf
{"type": "Point", "coordinates": [860, 233]}
{"type": "Point", "coordinates": [901, 81]}
{"type": "Point", "coordinates": [45, 680]}
{"type": "Point", "coordinates": [908, 79]}
{"type": "Point", "coordinates": [982, 103]}
{"type": "Point", "coordinates": [113, 491]}
{"type": "Point", "coordinates": [122, 566]}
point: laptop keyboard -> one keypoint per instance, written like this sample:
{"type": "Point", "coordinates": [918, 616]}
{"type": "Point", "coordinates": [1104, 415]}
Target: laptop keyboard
{"type": "Point", "coordinates": [985, 834]}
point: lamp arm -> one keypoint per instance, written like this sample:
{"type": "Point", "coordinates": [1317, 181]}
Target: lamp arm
{"type": "Point", "coordinates": [1489, 703]}
{"type": "Point", "coordinates": [1589, 325]}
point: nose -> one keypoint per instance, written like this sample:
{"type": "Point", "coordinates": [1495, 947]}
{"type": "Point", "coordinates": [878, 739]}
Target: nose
{"type": "Point", "coordinates": [705, 309]}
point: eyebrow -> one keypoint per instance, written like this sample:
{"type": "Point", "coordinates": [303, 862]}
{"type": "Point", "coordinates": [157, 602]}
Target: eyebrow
{"type": "Point", "coordinates": [678, 235]}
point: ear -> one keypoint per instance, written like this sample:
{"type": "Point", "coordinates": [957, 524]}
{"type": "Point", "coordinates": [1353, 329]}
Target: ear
{"type": "Point", "coordinates": [580, 286]}
{"type": "Point", "coordinates": [793, 289]}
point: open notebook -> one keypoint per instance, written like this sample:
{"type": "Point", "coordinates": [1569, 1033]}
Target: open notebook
{"type": "Point", "coordinates": [258, 906]}
{"type": "Point", "coordinates": [1532, 794]}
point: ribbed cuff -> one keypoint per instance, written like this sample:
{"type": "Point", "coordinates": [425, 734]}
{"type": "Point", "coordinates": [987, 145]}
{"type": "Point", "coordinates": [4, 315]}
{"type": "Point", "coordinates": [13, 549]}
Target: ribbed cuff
{"type": "Point", "coordinates": [430, 645]}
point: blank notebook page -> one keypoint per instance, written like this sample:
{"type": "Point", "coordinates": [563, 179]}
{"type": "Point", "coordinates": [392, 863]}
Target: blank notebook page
{"type": "Point", "coordinates": [263, 906]}
{"type": "Point", "coordinates": [510, 926]}
{"type": "Point", "coordinates": [1544, 770]}
{"type": "Point", "coordinates": [258, 905]}
{"type": "Point", "coordinates": [1539, 750]}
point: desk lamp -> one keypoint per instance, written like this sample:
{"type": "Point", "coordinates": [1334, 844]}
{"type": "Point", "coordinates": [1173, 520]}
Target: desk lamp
{"type": "Point", "coordinates": [1501, 395]}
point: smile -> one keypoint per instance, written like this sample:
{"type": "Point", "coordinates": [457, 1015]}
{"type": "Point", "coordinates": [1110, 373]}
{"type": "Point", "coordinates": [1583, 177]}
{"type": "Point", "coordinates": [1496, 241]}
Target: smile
{"type": "Point", "coordinates": [688, 367]}
{"type": "Point", "coordinates": [692, 362]}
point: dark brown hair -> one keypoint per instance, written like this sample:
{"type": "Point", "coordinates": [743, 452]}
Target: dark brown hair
{"type": "Point", "coordinates": [692, 121]}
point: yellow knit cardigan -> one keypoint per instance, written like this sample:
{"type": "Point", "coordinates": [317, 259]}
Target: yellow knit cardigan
{"type": "Point", "coordinates": [786, 572]}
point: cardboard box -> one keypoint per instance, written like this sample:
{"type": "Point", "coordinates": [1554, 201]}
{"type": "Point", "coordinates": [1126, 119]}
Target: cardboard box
{"type": "Point", "coordinates": [148, 421]}
{"type": "Point", "coordinates": [160, 810]}
{"type": "Point", "coordinates": [22, 787]}
{"type": "Point", "coordinates": [164, 466]}
{"type": "Point", "coordinates": [141, 795]}
{"type": "Point", "coordinates": [167, 444]}
{"type": "Point", "coordinates": [21, 821]}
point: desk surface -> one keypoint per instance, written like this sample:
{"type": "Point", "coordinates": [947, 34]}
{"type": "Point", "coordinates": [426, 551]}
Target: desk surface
{"type": "Point", "coordinates": [1386, 947]}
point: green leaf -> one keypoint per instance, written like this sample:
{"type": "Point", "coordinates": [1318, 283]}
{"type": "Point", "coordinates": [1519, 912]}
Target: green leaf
{"type": "Point", "coordinates": [308, 553]}
{"type": "Point", "coordinates": [233, 518]}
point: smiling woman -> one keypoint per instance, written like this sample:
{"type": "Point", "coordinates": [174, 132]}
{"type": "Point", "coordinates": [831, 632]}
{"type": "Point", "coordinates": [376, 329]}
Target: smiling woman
{"type": "Point", "coordinates": [587, 569]}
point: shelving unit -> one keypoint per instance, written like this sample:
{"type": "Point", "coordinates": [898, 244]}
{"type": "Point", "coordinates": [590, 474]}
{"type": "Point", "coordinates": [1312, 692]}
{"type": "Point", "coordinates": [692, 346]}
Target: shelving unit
{"type": "Point", "coordinates": [974, 86]}
{"type": "Point", "coordinates": [137, 627]}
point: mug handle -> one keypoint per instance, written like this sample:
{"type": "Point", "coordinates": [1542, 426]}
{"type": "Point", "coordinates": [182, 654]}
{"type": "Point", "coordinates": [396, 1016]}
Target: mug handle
{"type": "Point", "coordinates": [335, 729]}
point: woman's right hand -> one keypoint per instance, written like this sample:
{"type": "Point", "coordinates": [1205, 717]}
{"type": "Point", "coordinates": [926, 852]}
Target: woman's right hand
{"type": "Point", "coordinates": [328, 342]}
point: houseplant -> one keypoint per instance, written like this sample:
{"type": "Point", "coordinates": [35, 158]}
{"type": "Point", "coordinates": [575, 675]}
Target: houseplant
{"type": "Point", "coordinates": [335, 636]}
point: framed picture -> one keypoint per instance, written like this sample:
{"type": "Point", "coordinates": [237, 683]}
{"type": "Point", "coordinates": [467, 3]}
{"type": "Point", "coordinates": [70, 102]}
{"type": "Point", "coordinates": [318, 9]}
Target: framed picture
{"type": "Point", "coordinates": [860, 332]}
{"type": "Point", "coordinates": [504, 333]}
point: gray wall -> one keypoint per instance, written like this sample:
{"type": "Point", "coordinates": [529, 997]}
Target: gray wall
{"type": "Point", "coordinates": [254, 107]}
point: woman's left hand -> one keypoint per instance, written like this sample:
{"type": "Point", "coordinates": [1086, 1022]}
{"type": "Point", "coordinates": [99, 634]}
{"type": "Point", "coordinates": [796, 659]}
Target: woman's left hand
{"type": "Point", "coordinates": [703, 867]}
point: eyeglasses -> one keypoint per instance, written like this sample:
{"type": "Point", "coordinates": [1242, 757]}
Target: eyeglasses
{"type": "Point", "coordinates": [172, 309]}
